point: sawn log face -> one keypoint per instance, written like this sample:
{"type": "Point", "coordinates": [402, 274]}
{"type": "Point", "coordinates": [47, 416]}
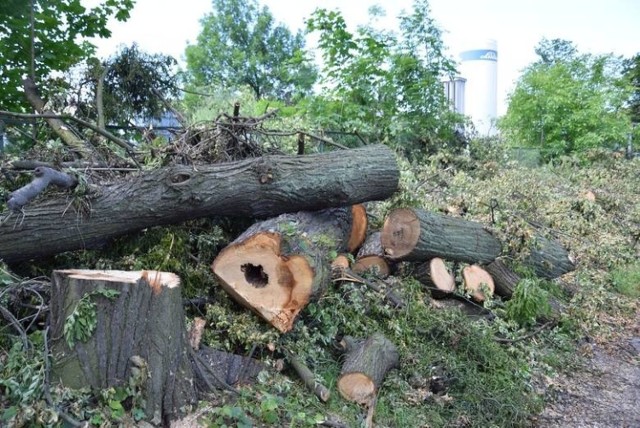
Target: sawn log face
{"type": "Point", "coordinates": [260, 187]}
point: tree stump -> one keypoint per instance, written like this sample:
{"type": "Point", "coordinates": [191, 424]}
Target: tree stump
{"type": "Point", "coordinates": [436, 276]}
{"type": "Point", "coordinates": [417, 235]}
{"type": "Point", "coordinates": [366, 364]}
{"type": "Point", "coordinates": [142, 325]}
{"type": "Point", "coordinates": [371, 257]}
{"type": "Point", "coordinates": [477, 282]}
{"type": "Point", "coordinates": [277, 266]}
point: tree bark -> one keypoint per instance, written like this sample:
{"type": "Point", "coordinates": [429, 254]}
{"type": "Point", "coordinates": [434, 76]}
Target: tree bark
{"type": "Point", "coordinates": [365, 366]}
{"type": "Point", "coordinates": [549, 259]}
{"type": "Point", "coordinates": [504, 279]}
{"type": "Point", "coordinates": [417, 235]}
{"type": "Point", "coordinates": [277, 266]}
{"type": "Point", "coordinates": [477, 282]}
{"type": "Point", "coordinates": [371, 257]}
{"type": "Point", "coordinates": [436, 276]}
{"type": "Point", "coordinates": [140, 329]}
{"type": "Point", "coordinates": [258, 187]}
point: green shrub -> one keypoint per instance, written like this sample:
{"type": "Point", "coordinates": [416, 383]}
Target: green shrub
{"type": "Point", "coordinates": [626, 279]}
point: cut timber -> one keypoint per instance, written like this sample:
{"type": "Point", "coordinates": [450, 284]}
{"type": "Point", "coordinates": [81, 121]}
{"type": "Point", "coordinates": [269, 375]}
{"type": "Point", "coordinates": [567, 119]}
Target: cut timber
{"type": "Point", "coordinates": [359, 223]}
{"type": "Point", "coordinates": [257, 187]}
{"type": "Point", "coordinates": [549, 259]}
{"type": "Point", "coordinates": [504, 279]}
{"type": "Point", "coordinates": [371, 257]}
{"type": "Point", "coordinates": [436, 276]}
{"type": "Point", "coordinates": [477, 281]}
{"type": "Point", "coordinates": [417, 235]}
{"type": "Point", "coordinates": [365, 366]}
{"type": "Point", "coordinates": [278, 265]}
{"type": "Point", "coordinates": [139, 330]}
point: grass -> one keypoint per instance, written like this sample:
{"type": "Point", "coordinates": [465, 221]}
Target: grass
{"type": "Point", "coordinates": [626, 280]}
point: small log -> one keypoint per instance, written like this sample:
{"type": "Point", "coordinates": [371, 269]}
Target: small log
{"type": "Point", "coordinates": [43, 177]}
{"type": "Point", "coordinates": [365, 366]}
{"type": "Point", "coordinates": [309, 378]}
{"type": "Point", "coordinates": [339, 265]}
{"type": "Point", "coordinates": [277, 266]}
{"type": "Point", "coordinates": [436, 276]}
{"type": "Point", "coordinates": [371, 257]}
{"type": "Point", "coordinates": [359, 223]}
{"type": "Point", "coordinates": [549, 259]}
{"type": "Point", "coordinates": [476, 281]}
{"type": "Point", "coordinates": [504, 279]}
{"type": "Point", "coordinates": [195, 332]}
{"type": "Point", "coordinates": [417, 235]}
{"type": "Point", "coordinates": [140, 329]}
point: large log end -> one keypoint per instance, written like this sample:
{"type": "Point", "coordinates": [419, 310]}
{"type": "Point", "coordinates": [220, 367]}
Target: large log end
{"type": "Point", "coordinates": [400, 233]}
{"type": "Point", "coordinates": [257, 276]}
{"type": "Point", "coordinates": [477, 282]}
{"type": "Point", "coordinates": [357, 387]}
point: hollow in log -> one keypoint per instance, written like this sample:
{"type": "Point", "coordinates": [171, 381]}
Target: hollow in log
{"type": "Point", "coordinates": [278, 265]}
{"type": "Point", "coordinates": [477, 282]}
{"type": "Point", "coordinates": [258, 187]}
{"type": "Point", "coordinates": [140, 328]}
{"type": "Point", "coordinates": [366, 364]}
{"type": "Point", "coordinates": [437, 277]}
{"type": "Point", "coordinates": [371, 257]}
{"type": "Point", "coordinates": [417, 235]}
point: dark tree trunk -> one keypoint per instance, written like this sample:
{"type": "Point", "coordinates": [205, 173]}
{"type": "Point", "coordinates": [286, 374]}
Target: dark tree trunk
{"type": "Point", "coordinates": [371, 257]}
{"type": "Point", "coordinates": [365, 366]}
{"type": "Point", "coordinates": [278, 265]}
{"type": "Point", "coordinates": [504, 279]}
{"type": "Point", "coordinates": [417, 235]}
{"type": "Point", "coordinates": [549, 259]}
{"type": "Point", "coordinates": [259, 187]}
{"type": "Point", "coordinates": [140, 330]}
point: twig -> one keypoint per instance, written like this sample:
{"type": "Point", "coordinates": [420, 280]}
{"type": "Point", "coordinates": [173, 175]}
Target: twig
{"type": "Point", "coordinates": [526, 336]}
{"type": "Point", "coordinates": [308, 377]}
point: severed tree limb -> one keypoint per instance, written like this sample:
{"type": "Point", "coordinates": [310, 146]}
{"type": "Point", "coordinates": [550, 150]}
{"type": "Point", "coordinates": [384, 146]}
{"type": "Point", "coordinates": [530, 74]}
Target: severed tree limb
{"type": "Point", "coordinates": [43, 177]}
{"type": "Point", "coordinates": [308, 378]}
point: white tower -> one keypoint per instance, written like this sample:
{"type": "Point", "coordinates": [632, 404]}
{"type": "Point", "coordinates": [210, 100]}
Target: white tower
{"type": "Point", "coordinates": [479, 66]}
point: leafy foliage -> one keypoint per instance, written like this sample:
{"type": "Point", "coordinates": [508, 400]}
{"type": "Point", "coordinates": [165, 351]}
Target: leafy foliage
{"type": "Point", "coordinates": [568, 102]}
{"type": "Point", "coordinates": [60, 32]}
{"type": "Point", "coordinates": [384, 85]}
{"type": "Point", "coordinates": [632, 73]}
{"type": "Point", "coordinates": [529, 303]}
{"type": "Point", "coordinates": [626, 279]}
{"type": "Point", "coordinates": [240, 44]}
{"type": "Point", "coordinates": [81, 323]}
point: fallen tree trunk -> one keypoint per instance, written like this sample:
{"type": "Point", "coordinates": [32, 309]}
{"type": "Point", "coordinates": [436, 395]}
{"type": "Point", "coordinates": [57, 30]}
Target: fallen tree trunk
{"type": "Point", "coordinates": [139, 331]}
{"type": "Point", "coordinates": [417, 235]}
{"type": "Point", "coordinates": [258, 187]}
{"type": "Point", "coordinates": [371, 257]}
{"type": "Point", "coordinates": [549, 259]}
{"type": "Point", "coordinates": [436, 276]}
{"type": "Point", "coordinates": [504, 279]}
{"type": "Point", "coordinates": [277, 266]}
{"type": "Point", "coordinates": [365, 366]}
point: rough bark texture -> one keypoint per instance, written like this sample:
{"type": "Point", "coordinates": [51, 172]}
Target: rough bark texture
{"type": "Point", "coordinates": [221, 369]}
{"type": "Point", "coordinates": [371, 257]}
{"type": "Point", "coordinates": [476, 281]}
{"type": "Point", "coordinates": [365, 366]}
{"type": "Point", "coordinates": [549, 259]}
{"type": "Point", "coordinates": [504, 279]}
{"type": "Point", "coordinates": [278, 265]}
{"type": "Point", "coordinates": [417, 235]}
{"type": "Point", "coordinates": [436, 276]}
{"type": "Point", "coordinates": [142, 327]}
{"type": "Point", "coordinates": [258, 187]}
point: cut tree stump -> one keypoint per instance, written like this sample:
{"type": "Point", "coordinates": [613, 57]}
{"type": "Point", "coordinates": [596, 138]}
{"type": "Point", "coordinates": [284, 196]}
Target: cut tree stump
{"type": "Point", "coordinates": [278, 265]}
{"type": "Point", "coordinates": [417, 235]}
{"type": "Point", "coordinates": [371, 257]}
{"type": "Point", "coordinates": [436, 276]}
{"type": "Point", "coordinates": [257, 187]}
{"type": "Point", "coordinates": [365, 366]}
{"type": "Point", "coordinates": [140, 330]}
{"type": "Point", "coordinates": [476, 280]}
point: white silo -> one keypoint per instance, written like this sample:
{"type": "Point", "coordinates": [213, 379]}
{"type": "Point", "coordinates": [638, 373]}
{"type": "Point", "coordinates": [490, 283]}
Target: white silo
{"type": "Point", "coordinates": [479, 66]}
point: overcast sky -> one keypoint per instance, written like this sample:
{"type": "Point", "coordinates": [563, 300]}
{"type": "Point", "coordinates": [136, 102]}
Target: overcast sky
{"type": "Point", "coordinates": [596, 26]}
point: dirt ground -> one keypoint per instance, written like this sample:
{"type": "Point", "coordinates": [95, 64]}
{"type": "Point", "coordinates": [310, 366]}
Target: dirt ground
{"type": "Point", "coordinates": [605, 392]}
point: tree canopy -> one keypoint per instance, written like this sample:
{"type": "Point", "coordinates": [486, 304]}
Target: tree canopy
{"type": "Point", "coordinates": [45, 36]}
{"type": "Point", "coordinates": [241, 44]}
{"type": "Point", "coordinates": [567, 101]}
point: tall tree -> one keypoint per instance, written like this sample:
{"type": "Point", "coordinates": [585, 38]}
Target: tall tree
{"type": "Point", "coordinates": [568, 101]}
{"type": "Point", "coordinates": [39, 37]}
{"type": "Point", "coordinates": [632, 73]}
{"type": "Point", "coordinates": [241, 44]}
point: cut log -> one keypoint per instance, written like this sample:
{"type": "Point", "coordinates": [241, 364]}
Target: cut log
{"type": "Point", "coordinates": [359, 223]}
{"type": "Point", "coordinates": [477, 282]}
{"type": "Point", "coordinates": [277, 266]}
{"type": "Point", "coordinates": [141, 329]}
{"type": "Point", "coordinates": [365, 366]}
{"type": "Point", "coordinates": [436, 276]}
{"type": "Point", "coordinates": [417, 235]}
{"type": "Point", "coordinates": [504, 279]}
{"type": "Point", "coordinates": [257, 187]}
{"type": "Point", "coordinates": [371, 257]}
{"type": "Point", "coordinates": [549, 259]}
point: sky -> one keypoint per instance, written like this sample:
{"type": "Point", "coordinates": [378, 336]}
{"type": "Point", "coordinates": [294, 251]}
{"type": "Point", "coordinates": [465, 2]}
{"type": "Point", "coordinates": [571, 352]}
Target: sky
{"type": "Point", "coordinates": [595, 26]}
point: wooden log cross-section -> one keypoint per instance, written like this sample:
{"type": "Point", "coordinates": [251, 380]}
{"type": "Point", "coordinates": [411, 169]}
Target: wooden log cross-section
{"type": "Point", "coordinates": [278, 265]}
{"type": "Point", "coordinates": [140, 328]}
{"type": "Point", "coordinates": [436, 276]}
{"type": "Point", "coordinates": [259, 187]}
{"type": "Point", "coordinates": [371, 257]}
{"type": "Point", "coordinates": [365, 366]}
{"type": "Point", "coordinates": [477, 282]}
